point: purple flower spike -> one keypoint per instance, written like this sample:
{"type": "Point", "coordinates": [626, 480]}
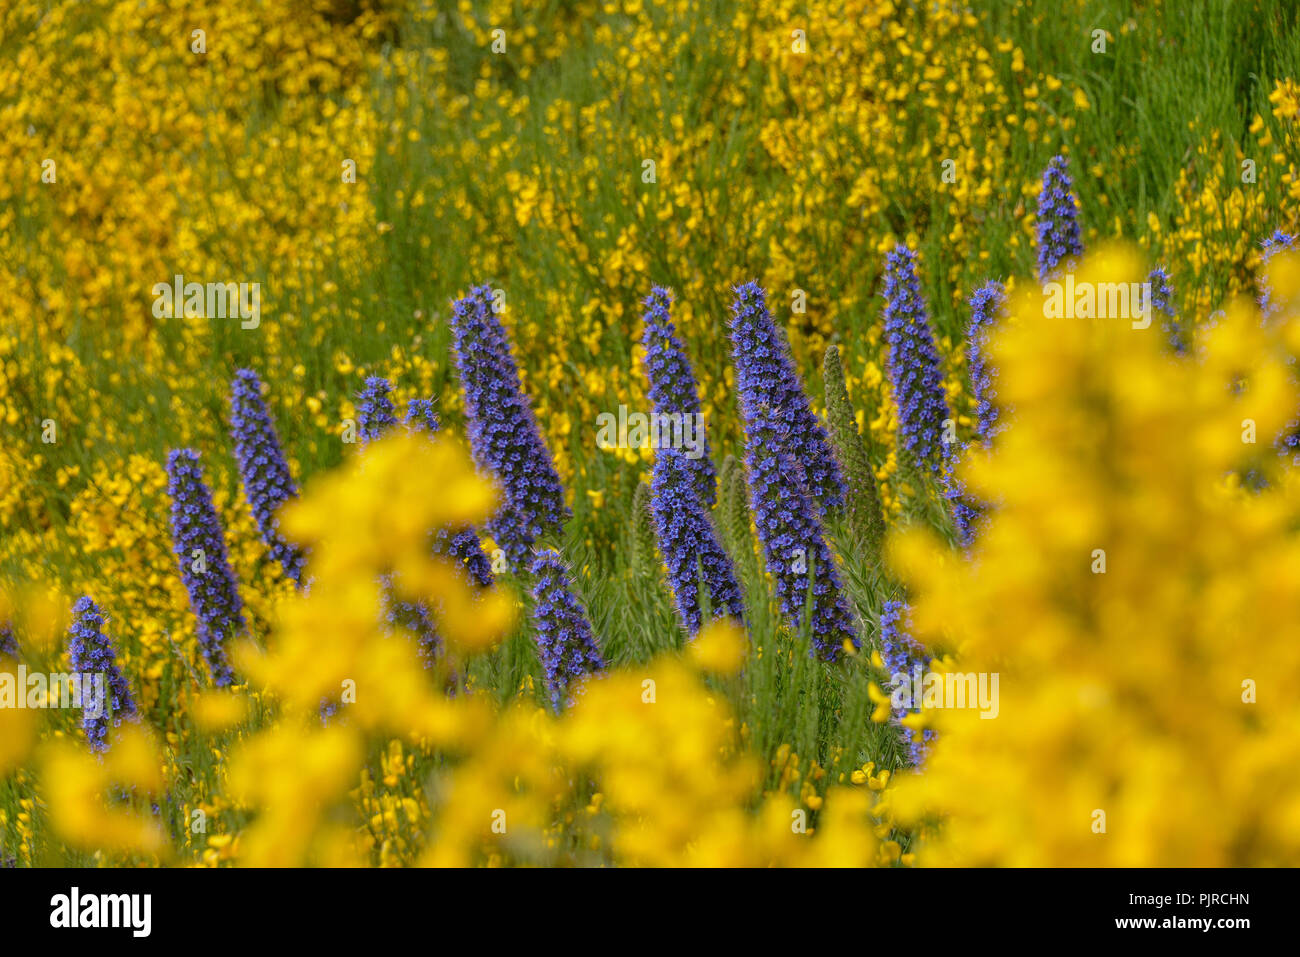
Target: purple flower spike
{"type": "Point", "coordinates": [374, 410]}
{"type": "Point", "coordinates": [92, 654]}
{"type": "Point", "coordinates": [766, 376]}
{"type": "Point", "coordinates": [902, 655]}
{"type": "Point", "coordinates": [913, 362]}
{"type": "Point", "coordinates": [262, 468]}
{"type": "Point", "coordinates": [689, 545]}
{"type": "Point", "coordinates": [461, 544]}
{"type": "Point", "coordinates": [564, 639]}
{"type": "Point", "coordinates": [1059, 242]}
{"type": "Point", "coordinates": [503, 432]}
{"type": "Point", "coordinates": [794, 543]}
{"type": "Point", "coordinates": [200, 546]}
{"type": "Point", "coordinates": [673, 388]}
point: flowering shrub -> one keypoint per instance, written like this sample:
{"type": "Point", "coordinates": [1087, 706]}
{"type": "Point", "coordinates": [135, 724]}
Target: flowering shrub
{"type": "Point", "coordinates": [384, 601]}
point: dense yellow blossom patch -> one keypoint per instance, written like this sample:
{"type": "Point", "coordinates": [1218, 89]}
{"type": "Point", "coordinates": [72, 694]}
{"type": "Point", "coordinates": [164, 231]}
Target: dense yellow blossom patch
{"type": "Point", "coordinates": [1134, 599]}
{"type": "Point", "coordinates": [363, 162]}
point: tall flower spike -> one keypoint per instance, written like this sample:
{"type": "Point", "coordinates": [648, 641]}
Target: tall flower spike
{"type": "Point", "coordinates": [966, 511]}
{"type": "Point", "coordinates": [673, 388]}
{"type": "Point", "coordinates": [503, 432]}
{"type": "Point", "coordinates": [200, 546]}
{"type": "Point", "coordinates": [766, 375]}
{"type": "Point", "coordinates": [92, 653]}
{"type": "Point", "coordinates": [1058, 222]}
{"type": "Point", "coordinates": [865, 514]}
{"type": "Point", "coordinates": [914, 372]}
{"type": "Point", "coordinates": [461, 544]}
{"type": "Point", "coordinates": [902, 654]}
{"type": "Point", "coordinates": [986, 303]}
{"type": "Point", "coordinates": [794, 544]}
{"type": "Point", "coordinates": [1162, 301]}
{"type": "Point", "coordinates": [262, 468]}
{"type": "Point", "coordinates": [374, 409]}
{"type": "Point", "coordinates": [690, 545]}
{"type": "Point", "coordinates": [1278, 242]}
{"type": "Point", "coordinates": [565, 642]}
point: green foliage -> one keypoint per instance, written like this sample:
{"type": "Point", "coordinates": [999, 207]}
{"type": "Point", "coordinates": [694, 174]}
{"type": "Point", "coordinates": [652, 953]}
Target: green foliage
{"type": "Point", "coordinates": [865, 516]}
{"type": "Point", "coordinates": [645, 550]}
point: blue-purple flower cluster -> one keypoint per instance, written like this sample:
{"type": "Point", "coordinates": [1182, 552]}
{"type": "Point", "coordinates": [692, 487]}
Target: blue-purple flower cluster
{"type": "Point", "coordinates": [794, 542]}
{"type": "Point", "coordinates": [766, 375]}
{"type": "Point", "coordinates": [915, 374]}
{"type": "Point", "coordinates": [1162, 301]}
{"type": "Point", "coordinates": [421, 416]}
{"type": "Point", "coordinates": [503, 432]}
{"type": "Point", "coordinates": [673, 389]}
{"type": "Point", "coordinates": [689, 544]}
{"type": "Point", "coordinates": [8, 642]}
{"type": "Point", "coordinates": [986, 303]}
{"type": "Point", "coordinates": [1279, 241]}
{"type": "Point", "coordinates": [1059, 240]}
{"type": "Point", "coordinates": [91, 652]}
{"type": "Point", "coordinates": [565, 643]}
{"type": "Point", "coordinates": [262, 468]}
{"type": "Point", "coordinates": [200, 546]}
{"type": "Point", "coordinates": [901, 654]}
{"type": "Point", "coordinates": [966, 511]}
{"type": "Point", "coordinates": [375, 413]}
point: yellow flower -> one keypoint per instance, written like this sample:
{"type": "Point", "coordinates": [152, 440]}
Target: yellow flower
{"type": "Point", "coordinates": [1111, 473]}
{"type": "Point", "coordinates": [217, 711]}
{"type": "Point", "coordinates": [77, 785]}
{"type": "Point", "coordinates": [720, 647]}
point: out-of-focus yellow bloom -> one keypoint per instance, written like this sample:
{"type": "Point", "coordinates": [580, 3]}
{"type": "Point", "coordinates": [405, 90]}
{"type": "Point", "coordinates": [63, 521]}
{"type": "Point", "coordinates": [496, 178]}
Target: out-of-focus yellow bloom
{"type": "Point", "coordinates": [18, 726]}
{"type": "Point", "coordinates": [217, 711]}
{"type": "Point", "coordinates": [290, 775]}
{"type": "Point", "coordinates": [78, 784]}
{"type": "Point", "coordinates": [37, 612]}
{"type": "Point", "coordinates": [720, 647]}
{"type": "Point", "coordinates": [1136, 614]}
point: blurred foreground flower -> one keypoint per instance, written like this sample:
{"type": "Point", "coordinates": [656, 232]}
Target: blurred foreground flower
{"type": "Point", "coordinates": [1136, 603]}
{"type": "Point", "coordinates": [95, 803]}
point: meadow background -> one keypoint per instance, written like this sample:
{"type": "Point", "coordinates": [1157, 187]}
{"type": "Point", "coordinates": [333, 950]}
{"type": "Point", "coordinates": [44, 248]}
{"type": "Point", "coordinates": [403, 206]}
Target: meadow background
{"type": "Point", "coordinates": [523, 170]}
